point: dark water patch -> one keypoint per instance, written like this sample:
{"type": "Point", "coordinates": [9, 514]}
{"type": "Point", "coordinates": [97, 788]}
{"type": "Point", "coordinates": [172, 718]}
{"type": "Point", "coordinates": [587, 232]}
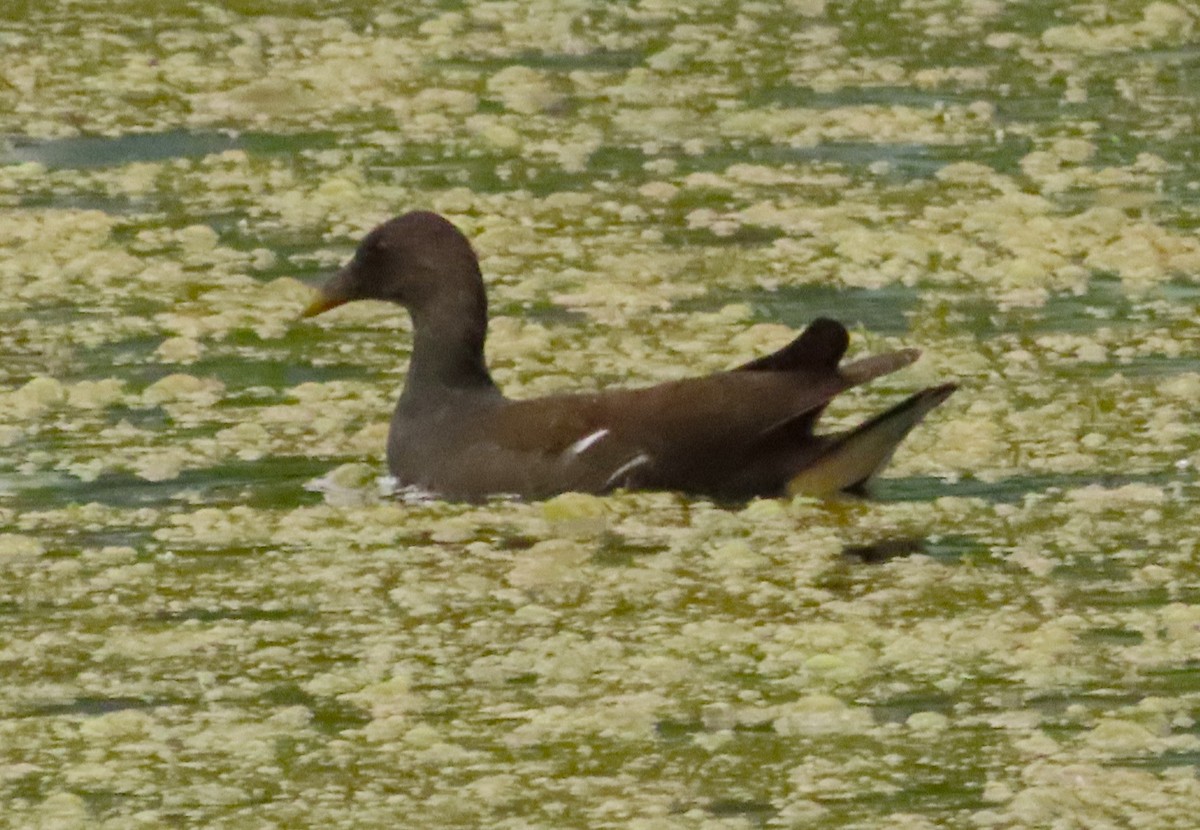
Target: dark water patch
{"type": "Point", "coordinates": [884, 550]}
{"type": "Point", "coordinates": [112, 536]}
{"type": "Point", "coordinates": [792, 95]}
{"type": "Point", "coordinates": [151, 418]}
{"type": "Point", "coordinates": [541, 311]}
{"type": "Point", "coordinates": [1184, 677]}
{"type": "Point", "coordinates": [115, 205]}
{"type": "Point", "coordinates": [614, 550]}
{"type": "Point", "coordinates": [499, 172]}
{"type": "Point", "coordinates": [1009, 489]}
{"type": "Point", "coordinates": [752, 810]}
{"type": "Point", "coordinates": [599, 60]}
{"type": "Point", "coordinates": [118, 490]}
{"type": "Point", "coordinates": [680, 728]}
{"type": "Point", "coordinates": [748, 235]}
{"type": "Point", "coordinates": [238, 373]}
{"type": "Point", "coordinates": [915, 160]}
{"type": "Point", "coordinates": [95, 706]}
{"type": "Point", "coordinates": [676, 731]}
{"type": "Point", "coordinates": [1104, 304]}
{"type": "Point", "coordinates": [1112, 636]}
{"type": "Point", "coordinates": [288, 143]}
{"type": "Point", "coordinates": [274, 482]}
{"type": "Point", "coordinates": [218, 614]}
{"type": "Point", "coordinates": [330, 716]}
{"type": "Point", "coordinates": [942, 548]}
{"type": "Point", "coordinates": [900, 708]}
{"type": "Point", "coordinates": [908, 160]}
{"type": "Point", "coordinates": [1147, 366]}
{"type": "Point", "coordinates": [133, 357]}
{"type": "Point", "coordinates": [928, 488]}
{"type": "Point", "coordinates": [883, 310]}
{"type": "Point", "coordinates": [32, 786]}
{"type": "Point", "coordinates": [953, 548]}
{"type": "Point", "coordinates": [93, 151]}
{"type": "Point", "coordinates": [932, 787]}
{"type": "Point", "coordinates": [219, 556]}
{"type": "Point", "coordinates": [1082, 571]}
{"type": "Point", "coordinates": [1031, 96]}
{"type": "Point", "coordinates": [83, 152]}
{"type": "Point", "coordinates": [1104, 595]}
{"type": "Point", "coordinates": [1055, 704]}
{"type": "Point", "coordinates": [526, 679]}
{"type": "Point", "coordinates": [1160, 762]}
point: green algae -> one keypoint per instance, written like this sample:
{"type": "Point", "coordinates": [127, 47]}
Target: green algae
{"type": "Point", "coordinates": [214, 617]}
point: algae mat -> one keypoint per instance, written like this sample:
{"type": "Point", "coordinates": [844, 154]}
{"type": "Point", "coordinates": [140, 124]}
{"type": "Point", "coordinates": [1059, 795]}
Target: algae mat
{"type": "Point", "coordinates": [213, 618]}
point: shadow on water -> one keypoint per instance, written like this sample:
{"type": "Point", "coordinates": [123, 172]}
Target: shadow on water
{"type": "Point", "coordinates": [884, 550]}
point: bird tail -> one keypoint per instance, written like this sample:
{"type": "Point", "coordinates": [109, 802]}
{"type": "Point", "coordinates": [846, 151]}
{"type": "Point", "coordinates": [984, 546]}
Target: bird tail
{"type": "Point", "coordinates": [853, 458]}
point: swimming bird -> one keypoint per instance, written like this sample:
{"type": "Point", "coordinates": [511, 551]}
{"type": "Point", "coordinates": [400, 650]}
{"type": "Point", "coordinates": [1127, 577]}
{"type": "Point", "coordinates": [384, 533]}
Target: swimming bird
{"type": "Point", "coordinates": [729, 436]}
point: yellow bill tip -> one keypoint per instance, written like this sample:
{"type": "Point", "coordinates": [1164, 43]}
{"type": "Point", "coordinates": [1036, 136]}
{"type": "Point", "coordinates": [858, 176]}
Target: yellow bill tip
{"type": "Point", "coordinates": [320, 304]}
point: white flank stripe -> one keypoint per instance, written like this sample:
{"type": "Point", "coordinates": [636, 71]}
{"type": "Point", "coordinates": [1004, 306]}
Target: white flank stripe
{"type": "Point", "coordinates": [586, 441]}
{"type": "Point", "coordinates": [631, 464]}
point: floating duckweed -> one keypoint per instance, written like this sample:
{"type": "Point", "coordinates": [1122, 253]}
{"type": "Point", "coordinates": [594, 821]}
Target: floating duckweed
{"type": "Point", "coordinates": [179, 350]}
{"type": "Point", "coordinates": [656, 192]}
{"type": "Point", "coordinates": [1095, 498]}
{"type": "Point", "coordinates": [348, 485]}
{"type": "Point", "coordinates": [736, 556]}
{"type": "Point", "coordinates": [576, 514]}
{"type": "Point", "coordinates": [820, 715]}
{"type": "Point", "coordinates": [247, 440]}
{"type": "Point", "coordinates": [161, 466]}
{"type": "Point", "coordinates": [14, 545]}
{"type": "Point", "coordinates": [180, 388]}
{"type": "Point", "coordinates": [116, 726]}
{"type": "Point", "coordinates": [63, 809]}
{"type": "Point", "coordinates": [1160, 22]}
{"type": "Point", "coordinates": [95, 394]}
{"type": "Point", "coordinates": [523, 90]}
{"type": "Point", "coordinates": [927, 722]}
{"type": "Point", "coordinates": [548, 564]}
{"type": "Point", "coordinates": [36, 396]}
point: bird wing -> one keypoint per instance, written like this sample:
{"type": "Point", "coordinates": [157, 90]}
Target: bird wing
{"type": "Point", "coordinates": [686, 434]}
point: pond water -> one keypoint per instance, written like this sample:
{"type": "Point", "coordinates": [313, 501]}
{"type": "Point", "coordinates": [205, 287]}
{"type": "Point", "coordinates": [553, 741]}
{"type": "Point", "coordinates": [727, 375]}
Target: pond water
{"type": "Point", "coordinates": [215, 616]}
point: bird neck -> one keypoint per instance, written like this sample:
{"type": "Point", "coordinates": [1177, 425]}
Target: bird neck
{"type": "Point", "coordinates": [447, 353]}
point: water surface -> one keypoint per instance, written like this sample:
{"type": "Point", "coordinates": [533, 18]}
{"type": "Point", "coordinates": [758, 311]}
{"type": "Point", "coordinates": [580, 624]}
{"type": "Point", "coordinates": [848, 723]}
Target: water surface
{"type": "Point", "coordinates": [213, 618]}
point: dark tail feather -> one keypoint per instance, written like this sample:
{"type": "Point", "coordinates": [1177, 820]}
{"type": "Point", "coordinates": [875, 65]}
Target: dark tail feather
{"type": "Point", "coordinates": [854, 458]}
{"type": "Point", "coordinates": [818, 349]}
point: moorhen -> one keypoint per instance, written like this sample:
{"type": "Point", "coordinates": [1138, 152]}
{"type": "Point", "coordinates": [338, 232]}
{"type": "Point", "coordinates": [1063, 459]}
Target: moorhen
{"type": "Point", "coordinates": [729, 436]}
